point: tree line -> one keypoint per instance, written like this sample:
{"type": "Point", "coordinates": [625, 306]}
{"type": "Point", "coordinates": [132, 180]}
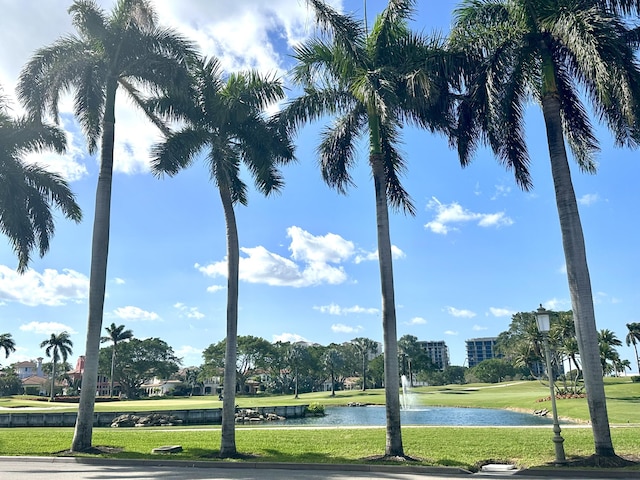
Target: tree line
{"type": "Point", "coordinates": [373, 80]}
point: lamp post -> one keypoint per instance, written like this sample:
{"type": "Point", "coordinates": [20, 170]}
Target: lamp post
{"type": "Point", "coordinates": [543, 322]}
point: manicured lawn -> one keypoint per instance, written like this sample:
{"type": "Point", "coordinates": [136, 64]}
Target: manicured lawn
{"type": "Point", "coordinates": [465, 447]}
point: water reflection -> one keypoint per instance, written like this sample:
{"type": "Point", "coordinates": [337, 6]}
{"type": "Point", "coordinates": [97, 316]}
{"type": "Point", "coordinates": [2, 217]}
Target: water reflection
{"type": "Point", "coordinates": [375, 415]}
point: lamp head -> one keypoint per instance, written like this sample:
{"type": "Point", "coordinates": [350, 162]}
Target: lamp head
{"type": "Point", "coordinates": [543, 320]}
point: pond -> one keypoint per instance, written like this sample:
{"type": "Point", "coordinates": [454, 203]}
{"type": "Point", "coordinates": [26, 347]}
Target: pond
{"type": "Point", "coordinates": [375, 415]}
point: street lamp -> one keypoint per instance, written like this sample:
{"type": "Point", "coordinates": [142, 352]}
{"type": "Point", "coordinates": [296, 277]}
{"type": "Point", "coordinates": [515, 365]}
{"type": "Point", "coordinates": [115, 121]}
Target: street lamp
{"type": "Point", "coordinates": [543, 322]}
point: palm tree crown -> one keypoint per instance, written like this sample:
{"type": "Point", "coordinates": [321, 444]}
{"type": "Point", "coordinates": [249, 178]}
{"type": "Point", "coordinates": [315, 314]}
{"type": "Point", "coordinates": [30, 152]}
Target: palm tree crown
{"type": "Point", "coordinates": [27, 192]}
{"type": "Point", "coordinates": [57, 347]}
{"type": "Point", "coordinates": [124, 49]}
{"type": "Point", "coordinates": [633, 338]}
{"type": "Point", "coordinates": [7, 343]}
{"type": "Point", "coordinates": [374, 83]}
{"type": "Point", "coordinates": [554, 52]}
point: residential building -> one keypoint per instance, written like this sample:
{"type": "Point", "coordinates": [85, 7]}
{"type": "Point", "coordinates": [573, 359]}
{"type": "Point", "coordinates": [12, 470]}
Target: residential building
{"type": "Point", "coordinates": [103, 386]}
{"type": "Point", "coordinates": [480, 349]}
{"type": "Point", "coordinates": [437, 351]}
{"type": "Point", "coordinates": [28, 369]}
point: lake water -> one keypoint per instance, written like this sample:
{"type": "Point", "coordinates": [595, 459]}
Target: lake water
{"type": "Point", "coordinates": [375, 415]}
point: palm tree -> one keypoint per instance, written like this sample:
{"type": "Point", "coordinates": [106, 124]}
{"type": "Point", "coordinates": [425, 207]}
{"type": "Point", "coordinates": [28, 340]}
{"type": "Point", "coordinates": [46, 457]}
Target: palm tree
{"type": "Point", "coordinates": [374, 82]}
{"type": "Point", "coordinates": [365, 347]}
{"type": "Point", "coordinates": [57, 347]}
{"type": "Point", "coordinates": [226, 118]}
{"type": "Point", "coordinates": [333, 361]}
{"type": "Point", "coordinates": [607, 341]}
{"type": "Point", "coordinates": [633, 338]}
{"type": "Point", "coordinates": [124, 49]}
{"type": "Point", "coordinates": [116, 334]}
{"type": "Point", "coordinates": [27, 192]}
{"type": "Point", "coordinates": [549, 51]}
{"type": "Point", "coordinates": [7, 343]}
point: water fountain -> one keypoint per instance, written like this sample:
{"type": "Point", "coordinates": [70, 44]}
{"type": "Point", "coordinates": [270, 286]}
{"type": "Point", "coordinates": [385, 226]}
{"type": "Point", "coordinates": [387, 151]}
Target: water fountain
{"type": "Point", "coordinates": [406, 397]}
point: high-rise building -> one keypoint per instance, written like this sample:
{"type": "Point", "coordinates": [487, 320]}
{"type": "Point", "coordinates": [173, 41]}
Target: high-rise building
{"type": "Point", "coordinates": [437, 351]}
{"type": "Point", "coordinates": [479, 349]}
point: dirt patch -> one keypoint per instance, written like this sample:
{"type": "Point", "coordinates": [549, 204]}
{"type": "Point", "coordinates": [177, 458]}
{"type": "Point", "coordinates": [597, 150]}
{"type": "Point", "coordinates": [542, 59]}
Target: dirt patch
{"type": "Point", "coordinates": [598, 461]}
{"type": "Point", "coordinates": [95, 450]}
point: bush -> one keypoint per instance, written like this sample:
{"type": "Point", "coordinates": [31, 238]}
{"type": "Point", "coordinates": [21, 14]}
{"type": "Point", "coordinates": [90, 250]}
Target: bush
{"type": "Point", "coordinates": [635, 379]}
{"type": "Point", "coordinates": [315, 410]}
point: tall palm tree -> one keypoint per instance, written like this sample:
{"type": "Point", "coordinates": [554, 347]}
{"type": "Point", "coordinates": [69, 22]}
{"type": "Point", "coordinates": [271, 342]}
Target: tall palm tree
{"type": "Point", "coordinates": [57, 347]}
{"type": "Point", "coordinates": [633, 338]}
{"type": "Point", "coordinates": [550, 51]}
{"type": "Point", "coordinates": [225, 117]}
{"type": "Point", "coordinates": [7, 343]}
{"type": "Point", "coordinates": [607, 341]}
{"type": "Point", "coordinates": [124, 49]}
{"type": "Point", "coordinates": [27, 192]}
{"type": "Point", "coordinates": [374, 82]}
{"type": "Point", "coordinates": [116, 334]}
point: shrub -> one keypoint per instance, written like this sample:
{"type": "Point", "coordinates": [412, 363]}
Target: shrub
{"type": "Point", "coordinates": [315, 409]}
{"type": "Point", "coordinates": [635, 379]}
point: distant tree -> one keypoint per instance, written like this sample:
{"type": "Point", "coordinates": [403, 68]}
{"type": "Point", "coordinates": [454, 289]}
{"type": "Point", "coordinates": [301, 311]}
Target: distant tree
{"type": "Point", "coordinates": [10, 383]}
{"type": "Point", "coordinates": [493, 370]}
{"type": "Point", "coordinates": [192, 377]}
{"type": "Point", "coordinates": [7, 344]}
{"type": "Point", "coordinates": [609, 356]}
{"type": "Point", "coordinates": [454, 375]}
{"type": "Point", "coordinates": [333, 361]}
{"type": "Point", "coordinates": [633, 338]}
{"type": "Point", "coordinates": [365, 347]}
{"type": "Point", "coordinates": [139, 361]}
{"type": "Point", "coordinates": [116, 335]}
{"type": "Point", "coordinates": [57, 347]}
{"type": "Point", "coordinates": [296, 358]}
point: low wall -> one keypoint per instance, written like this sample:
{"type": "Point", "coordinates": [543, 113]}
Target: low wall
{"type": "Point", "coordinates": [209, 416]}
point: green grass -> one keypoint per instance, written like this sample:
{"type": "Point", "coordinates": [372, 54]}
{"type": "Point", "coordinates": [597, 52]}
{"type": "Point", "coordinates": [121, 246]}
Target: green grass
{"type": "Point", "coordinates": [449, 446]}
{"type": "Point", "coordinates": [465, 447]}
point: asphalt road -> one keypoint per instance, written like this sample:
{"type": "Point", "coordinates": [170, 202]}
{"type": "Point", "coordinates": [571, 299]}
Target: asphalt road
{"type": "Point", "coordinates": [45, 468]}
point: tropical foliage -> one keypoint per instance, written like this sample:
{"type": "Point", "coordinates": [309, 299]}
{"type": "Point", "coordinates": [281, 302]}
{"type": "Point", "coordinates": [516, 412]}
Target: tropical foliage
{"type": "Point", "coordinates": [116, 334]}
{"type": "Point", "coordinates": [28, 192]}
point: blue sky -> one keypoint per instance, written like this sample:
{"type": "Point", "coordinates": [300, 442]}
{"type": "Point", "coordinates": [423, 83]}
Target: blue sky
{"type": "Point", "coordinates": [478, 250]}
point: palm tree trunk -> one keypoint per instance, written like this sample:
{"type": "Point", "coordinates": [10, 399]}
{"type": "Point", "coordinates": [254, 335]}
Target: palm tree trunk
{"type": "Point", "coordinates": [333, 384]}
{"type": "Point", "coordinates": [53, 379]}
{"type": "Point", "coordinates": [364, 371]}
{"type": "Point", "coordinates": [390, 335]}
{"type": "Point", "coordinates": [228, 440]}
{"type": "Point", "coordinates": [113, 364]}
{"type": "Point", "coordinates": [578, 277]}
{"type": "Point", "coordinates": [98, 276]}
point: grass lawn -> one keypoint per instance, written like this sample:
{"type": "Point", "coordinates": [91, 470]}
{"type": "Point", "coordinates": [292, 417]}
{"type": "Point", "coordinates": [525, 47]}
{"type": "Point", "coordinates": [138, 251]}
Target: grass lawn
{"type": "Point", "coordinates": [466, 447]}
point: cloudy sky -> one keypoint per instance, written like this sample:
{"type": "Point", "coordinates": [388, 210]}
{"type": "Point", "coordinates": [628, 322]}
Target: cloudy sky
{"type": "Point", "coordinates": [478, 250]}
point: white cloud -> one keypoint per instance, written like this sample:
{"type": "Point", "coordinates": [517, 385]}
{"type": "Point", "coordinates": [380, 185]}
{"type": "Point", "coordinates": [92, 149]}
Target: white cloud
{"type": "Point", "coordinates": [188, 312]}
{"type": "Point", "coordinates": [50, 287]}
{"type": "Point", "coordinates": [557, 305]}
{"type": "Point", "coordinates": [501, 312]}
{"type": "Point", "coordinates": [132, 313]}
{"type": "Point", "coordinates": [364, 256]}
{"type": "Point", "coordinates": [589, 199]}
{"type": "Point", "coordinates": [342, 328]}
{"type": "Point", "coordinates": [333, 309]}
{"type": "Point", "coordinates": [450, 332]}
{"type": "Point", "coordinates": [288, 337]}
{"type": "Point", "coordinates": [501, 191]}
{"type": "Point", "coordinates": [47, 328]}
{"type": "Point", "coordinates": [190, 355]}
{"type": "Point", "coordinates": [215, 288]}
{"type": "Point", "coordinates": [416, 321]}
{"type": "Point", "coordinates": [119, 281]}
{"type": "Point", "coordinates": [454, 213]}
{"type": "Point", "coordinates": [315, 253]}
{"type": "Point", "coordinates": [460, 313]}
{"type": "Point", "coordinates": [478, 328]}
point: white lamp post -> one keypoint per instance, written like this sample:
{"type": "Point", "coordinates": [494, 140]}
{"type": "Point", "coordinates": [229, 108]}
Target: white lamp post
{"type": "Point", "coordinates": [543, 322]}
